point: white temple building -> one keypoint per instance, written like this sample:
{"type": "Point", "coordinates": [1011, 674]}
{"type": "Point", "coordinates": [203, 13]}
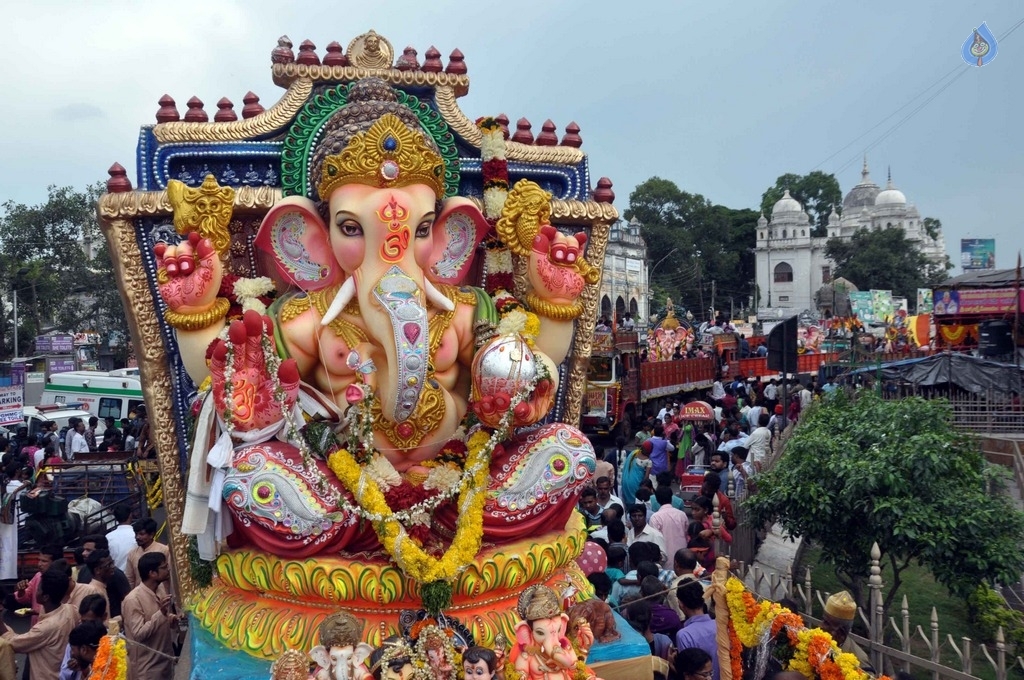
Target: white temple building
{"type": "Point", "coordinates": [624, 278]}
{"type": "Point", "coordinates": [791, 264]}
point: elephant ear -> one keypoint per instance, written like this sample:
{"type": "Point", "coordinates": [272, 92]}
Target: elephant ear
{"type": "Point", "coordinates": [524, 634]}
{"type": "Point", "coordinates": [298, 243]}
{"type": "Point", "coordinates": [361, 653]}
{"type": "Point", "coordinates": [457, 232]}
{"type": "Point", "coordinates": [321, 656]}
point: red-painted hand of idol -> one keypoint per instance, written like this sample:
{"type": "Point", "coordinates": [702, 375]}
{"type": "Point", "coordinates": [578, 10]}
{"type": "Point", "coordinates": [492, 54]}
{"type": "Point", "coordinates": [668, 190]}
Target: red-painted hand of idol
{"type": "Point", "coordinates": [189, 273]}
{"type": "Point", "coordinates": [244, 387]}
{"type": "Point", "coordinates": [553, 268]}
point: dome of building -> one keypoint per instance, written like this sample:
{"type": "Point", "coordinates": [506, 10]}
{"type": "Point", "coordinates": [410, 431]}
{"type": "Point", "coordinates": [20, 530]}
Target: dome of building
{"type": "Point", "coordinates": [864, 193]}
{"type": "Point", "coordinates": [786, 204]}
{"type": "Point", "coordinates": [891, 195]}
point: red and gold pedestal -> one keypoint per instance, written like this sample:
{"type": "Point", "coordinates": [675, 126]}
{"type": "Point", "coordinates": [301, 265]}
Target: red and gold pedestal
{"type": "Point", "coordinates": [263, 604]}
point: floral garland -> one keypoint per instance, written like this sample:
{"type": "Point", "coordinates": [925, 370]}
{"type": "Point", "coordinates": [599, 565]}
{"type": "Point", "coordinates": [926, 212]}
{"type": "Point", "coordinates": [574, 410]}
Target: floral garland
{"type": "Point", "coordinates": [814, 653]}
{"type": "Point", "coordinates": [498, 273]}
{"type": "Point", "coordinates": [111, 662]}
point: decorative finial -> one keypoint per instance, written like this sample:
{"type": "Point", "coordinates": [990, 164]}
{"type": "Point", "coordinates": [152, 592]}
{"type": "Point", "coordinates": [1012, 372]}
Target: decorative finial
{"type": "Point", "coordinates": [408, 60]}
{"type": "Point", "coordinates": [547, 136]}
{"type": "Point", "coordinates": [283, 54]}
{"type": "Point", "coordinates": [502, 120]}
{"type": "Point", "coordinates": [334, 56]}
{"type": "Point", "coordinates": [225, 111]}
{"type": "Point", "coordinates": [572, 136]}
{"type": "Point", "coordinates": [195, 113]}
{"type": "Point", "coordinates": [456, 63]}
{"type": "Point", "coordinates": [603, 193]}
{"type": "Point", "coordinates": [118, 182]}
{"type": "Point", "coordinates": [252, 106]}
{"type": "Point", "coordinates": [864, 176]}
{"type": "Point", "coordinates": [168, 112]}
{"type": "Point", "coordinates": [523, 134]}
{"type": "Point", "coordinates": [307, 54]}
{"type": "Point", "coordinates": [432, 61]}
{"type": "Point", "coordinates": [888, 169]}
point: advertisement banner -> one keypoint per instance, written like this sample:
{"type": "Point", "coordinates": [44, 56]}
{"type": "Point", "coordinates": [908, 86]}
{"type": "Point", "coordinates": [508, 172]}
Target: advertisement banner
{"type": "Point", "coordinates": [17, 372]}
{"type": "Point", "coordinates": [862, 306]}
{"type": "Point", "coordinates": [924, 301]}
{"type": "Point", "coordinates": [60, 365]}
{"type": "Point", "coordinates": [901, 304]}
{"type": "Point", "coordinates": [11, 405]}
{"type": "Point", "coordinates": [978, 301]}
{"type": "Point", "coordinates": [977, 254]}
{"type": "Point", "coordinates": [882, 301]}
{"type": "Point", "coordinates": [55, 344]}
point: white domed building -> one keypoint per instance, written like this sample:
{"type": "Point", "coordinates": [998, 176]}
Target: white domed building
{"type": "Point", "coordinates": [791, 264]}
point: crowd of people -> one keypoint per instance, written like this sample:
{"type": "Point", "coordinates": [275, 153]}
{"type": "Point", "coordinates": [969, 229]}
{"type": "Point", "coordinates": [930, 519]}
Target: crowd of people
{"type": "Point", "coordinates": [70, 600]}
{"type": "Point", "coordinates": [651, 512]}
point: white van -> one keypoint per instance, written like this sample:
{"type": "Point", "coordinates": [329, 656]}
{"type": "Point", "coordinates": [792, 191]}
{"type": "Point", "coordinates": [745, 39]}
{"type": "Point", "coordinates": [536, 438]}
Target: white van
{"type": "Point", "coordinates": [114, 394]}
{"type": "Point", "coordinates": [35, 416]}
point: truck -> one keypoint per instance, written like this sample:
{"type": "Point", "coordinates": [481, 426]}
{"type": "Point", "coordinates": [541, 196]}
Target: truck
{"type": "Point", "coordinates": [618, 383]}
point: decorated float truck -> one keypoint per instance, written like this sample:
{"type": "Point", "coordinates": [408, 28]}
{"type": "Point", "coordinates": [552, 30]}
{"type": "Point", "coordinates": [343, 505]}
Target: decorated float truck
{"type": "Point", "coordinates": [363, 323]}
{"type": "Point", "coordinates": [618, 383]}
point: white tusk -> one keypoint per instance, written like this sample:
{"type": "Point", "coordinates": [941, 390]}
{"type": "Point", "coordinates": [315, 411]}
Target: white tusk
{"type": "Point", "coordinates": [341, 300]}
{"type": "Point", "coordinates": [437, 297]}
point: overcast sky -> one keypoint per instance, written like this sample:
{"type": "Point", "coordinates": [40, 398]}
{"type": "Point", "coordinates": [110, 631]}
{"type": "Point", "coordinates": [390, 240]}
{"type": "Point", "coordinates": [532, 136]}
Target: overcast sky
{"type": "Point", "coordinates": [719, 97]}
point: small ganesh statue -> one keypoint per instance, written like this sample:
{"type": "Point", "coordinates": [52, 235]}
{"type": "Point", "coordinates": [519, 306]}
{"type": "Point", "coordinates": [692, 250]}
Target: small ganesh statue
{"type": "Point", "coordinates": [542, 650]}
{"type": "Point", "coordinates": [341, 651]}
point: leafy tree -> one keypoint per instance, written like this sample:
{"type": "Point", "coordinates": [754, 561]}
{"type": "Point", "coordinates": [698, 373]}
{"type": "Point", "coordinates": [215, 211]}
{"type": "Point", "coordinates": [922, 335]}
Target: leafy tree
{"type": "Point", "coordinates": [932, 227]}
{"type": "Point", "coordinates": [884, 259]}
{"type": "Point", "coordinates": [817, 191]}
{"type": "Point", "coordinates": [43, 253]}
{"type": "Point", "coordinates": [712, 243]}
{"type": "Point", "coordinates": [868, 470]}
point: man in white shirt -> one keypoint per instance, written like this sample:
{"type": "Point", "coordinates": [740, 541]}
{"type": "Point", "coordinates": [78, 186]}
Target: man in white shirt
{"type": "Point", "coordinates": [759, 440]}
{"type": "Point", "coordinates": [121, 540]}
{"type": "Point", "coordinates": [670, 521]}
{"type": "Point", "coordinates": [771, 392]}
{"type": "Point", "coordinates": [605, 497]}
{"type": "Point", "coordinates": [642, 531]}
{"type": "Point", "coordinates": [717, 391]}
{"type": "Point", "coordinates": [79, 444]}
{"type": "Point", "coordinates": [806, 396]}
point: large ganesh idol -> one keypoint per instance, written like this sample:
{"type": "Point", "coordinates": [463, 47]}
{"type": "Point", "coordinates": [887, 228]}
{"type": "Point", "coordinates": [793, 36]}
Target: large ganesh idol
{"type": "Point", "coordinates": [367, 353]}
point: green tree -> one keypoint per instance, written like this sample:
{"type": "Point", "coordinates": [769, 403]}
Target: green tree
{"type": "Point", "coordinates": [43, 254]}
{"type": "Point", "coordinates": [861, 471]}
{"type": "Point", "coordinates": [817, 191]}
{"type": "Point", "coordinates": [932, 227]}
{"type": "Point", "coordinates": [703, 242]}
{"type": "Point", "coordinates": [884, 259]}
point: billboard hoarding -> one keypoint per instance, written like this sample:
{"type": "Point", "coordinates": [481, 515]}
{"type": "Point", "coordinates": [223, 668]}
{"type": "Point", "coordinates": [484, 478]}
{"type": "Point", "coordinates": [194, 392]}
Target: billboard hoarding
{"type": "Point", "coordinates": [11, 405]}
{"type": "Point", "coordinates": [977, 254]}
{"type": "Point", "coordinates": [978, 301]}
{"type": "Point", "coordinates": [924, 300]}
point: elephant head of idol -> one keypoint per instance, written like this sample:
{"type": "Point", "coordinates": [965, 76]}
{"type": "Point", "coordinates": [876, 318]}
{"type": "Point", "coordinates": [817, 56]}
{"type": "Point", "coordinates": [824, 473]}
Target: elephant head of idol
{"type": "Point", "coordinates": [381, 233]}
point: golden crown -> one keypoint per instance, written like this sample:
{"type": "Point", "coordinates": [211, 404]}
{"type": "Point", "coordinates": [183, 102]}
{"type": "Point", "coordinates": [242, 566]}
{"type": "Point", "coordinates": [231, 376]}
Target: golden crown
{"type": "Point", "coordinates": [389, 154]}
{"type": "Point", "coordinates": [538, 602]}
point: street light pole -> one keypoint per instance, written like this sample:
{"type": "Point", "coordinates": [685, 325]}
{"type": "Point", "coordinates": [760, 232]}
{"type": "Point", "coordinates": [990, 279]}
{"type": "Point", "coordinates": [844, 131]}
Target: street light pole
{"type": "Point", "coordinates": [650, 273]}
{"type": "Point", "coordinates": [15, 322]}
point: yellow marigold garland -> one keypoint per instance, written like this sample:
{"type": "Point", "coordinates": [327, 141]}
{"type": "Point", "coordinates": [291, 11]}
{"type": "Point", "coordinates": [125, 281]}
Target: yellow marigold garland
{"type": "Point", "coordinates": [415, 562]}
{"type": "Point", "coordinates": [816, 655]}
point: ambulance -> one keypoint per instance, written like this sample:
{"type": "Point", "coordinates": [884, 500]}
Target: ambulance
{"type": "Point", "coordinates": [115, 394]}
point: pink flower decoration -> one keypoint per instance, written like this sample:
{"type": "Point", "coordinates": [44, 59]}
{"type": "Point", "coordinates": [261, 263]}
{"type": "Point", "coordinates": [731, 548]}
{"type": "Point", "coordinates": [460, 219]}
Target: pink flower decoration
{"type": "Point", "coordinates": [354, 394]}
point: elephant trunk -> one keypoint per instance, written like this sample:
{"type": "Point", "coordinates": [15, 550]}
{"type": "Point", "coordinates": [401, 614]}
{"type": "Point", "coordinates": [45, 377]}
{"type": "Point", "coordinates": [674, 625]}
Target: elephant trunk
{"type": "Point", "coordinates": [394, 309]}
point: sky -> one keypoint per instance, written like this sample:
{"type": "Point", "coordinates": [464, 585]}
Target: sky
{"type": "Point", "coordinates": [719, 97]}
